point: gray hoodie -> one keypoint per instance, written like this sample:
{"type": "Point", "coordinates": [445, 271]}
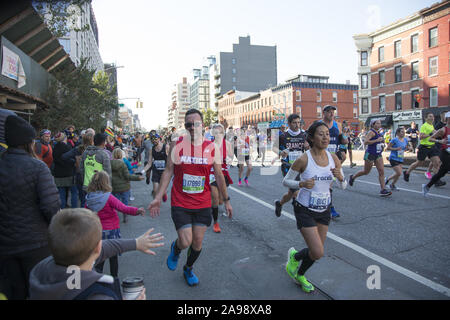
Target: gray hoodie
{"type": "Point", "coordinates": [48, 281]}
{"type": "Point", "coordinates": [96, 200]}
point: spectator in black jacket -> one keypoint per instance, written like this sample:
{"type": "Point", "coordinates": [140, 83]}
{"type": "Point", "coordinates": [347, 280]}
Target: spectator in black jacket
{"type": "Point", "coordinates": [28, 201]}
{"type": "Point", "coordinates": [64, 171]}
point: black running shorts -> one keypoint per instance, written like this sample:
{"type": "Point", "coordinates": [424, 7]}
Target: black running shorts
{"type": "Point", "coordinates": [186, 218]}
{"type": "Point", "coordinates": [156, 175]}
{"type": "Point", "coordinates": [226, 181]}
{"type": "Point", "coordinates": [425, 152]}
{"type": "Point", "coordinates": [395, 163]}
{"type": "Point", "coordinates": [307, 218]}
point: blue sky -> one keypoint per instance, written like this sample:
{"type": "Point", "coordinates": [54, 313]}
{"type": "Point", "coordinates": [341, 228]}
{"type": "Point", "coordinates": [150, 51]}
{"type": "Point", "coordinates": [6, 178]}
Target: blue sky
{"type": "Point", "coordinates": [159, 42]}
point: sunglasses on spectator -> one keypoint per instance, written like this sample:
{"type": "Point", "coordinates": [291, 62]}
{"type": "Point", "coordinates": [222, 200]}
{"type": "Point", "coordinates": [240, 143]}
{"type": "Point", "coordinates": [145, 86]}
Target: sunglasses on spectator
{"type": "Point", "coordinates": [196, 124]}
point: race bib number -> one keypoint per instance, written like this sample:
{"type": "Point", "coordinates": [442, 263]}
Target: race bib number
{"type": "Point", "coordinates": [160, 164]}
{"type": "Point", "coordinates": [331, 148]}
{"type": "Point", "coordinates": [319, 201]}
{"type": "Point", "coordinates": [245, 152]}
{"type": "Point", "coordinates": [379, 147]}
{"type": "Point", "coordinates": [414, 135]}
{"type": "Point", "coordinates": [294, 155]}
{"type": "Point", "coordinates": [193, 184]}
{"type": "Point", "coordinates": [401, 154]}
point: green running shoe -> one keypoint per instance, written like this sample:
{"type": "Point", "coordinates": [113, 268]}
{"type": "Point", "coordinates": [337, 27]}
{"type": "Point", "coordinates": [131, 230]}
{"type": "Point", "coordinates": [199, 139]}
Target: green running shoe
{"type": "Point", "coordinates": [306, 286]}
{"type": "Point", "coordinates": [292, 264]}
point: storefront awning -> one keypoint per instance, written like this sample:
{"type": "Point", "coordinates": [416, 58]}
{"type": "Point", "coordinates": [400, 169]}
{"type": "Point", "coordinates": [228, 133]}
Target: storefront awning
{"type": "Point", "coordinates": [386, 120]}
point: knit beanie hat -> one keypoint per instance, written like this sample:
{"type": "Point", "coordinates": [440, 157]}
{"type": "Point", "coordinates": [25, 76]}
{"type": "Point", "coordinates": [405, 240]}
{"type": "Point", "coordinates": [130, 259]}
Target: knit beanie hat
{"type": "Point", "coordinates": [18, 132]}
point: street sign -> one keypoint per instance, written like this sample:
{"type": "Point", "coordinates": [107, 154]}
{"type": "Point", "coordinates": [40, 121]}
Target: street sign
{"type": "Point", "coordinates": [121, 105]}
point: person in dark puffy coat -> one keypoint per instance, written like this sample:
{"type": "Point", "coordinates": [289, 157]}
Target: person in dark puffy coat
{"type": "Point", "coordinates": [28, 200]}
{"type": "Point", "coordinates": [64, 172]}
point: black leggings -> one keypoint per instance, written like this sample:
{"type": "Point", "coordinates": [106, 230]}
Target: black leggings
{"type": "Point", "coordinates": [445, 167]}
{"type": "Point", "coordinates": [113, 266]}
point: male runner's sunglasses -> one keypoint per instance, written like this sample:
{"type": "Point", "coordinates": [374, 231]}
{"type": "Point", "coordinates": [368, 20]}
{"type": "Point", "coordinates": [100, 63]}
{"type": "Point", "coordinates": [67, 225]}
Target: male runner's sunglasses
{"type": "Point", "coordinates": [192, 124]}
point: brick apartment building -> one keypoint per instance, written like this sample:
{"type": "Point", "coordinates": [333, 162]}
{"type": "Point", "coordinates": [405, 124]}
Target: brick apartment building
{"type": "Point", "coordinates": [303, 95]}
{"type": "Point", "coordinates": [403, 68]}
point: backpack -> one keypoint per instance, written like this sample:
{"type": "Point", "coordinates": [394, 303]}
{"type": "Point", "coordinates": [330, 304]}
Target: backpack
{"type": "Point", "coordinates": [111, 290]}
{"type": "Point", "coordinates": [91, 166]}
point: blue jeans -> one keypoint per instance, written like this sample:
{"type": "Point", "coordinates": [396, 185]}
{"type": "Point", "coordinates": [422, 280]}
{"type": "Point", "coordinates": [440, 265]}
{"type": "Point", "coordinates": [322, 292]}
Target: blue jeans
{"type": "Point", "coordinates": [73, 195]}
{"type": "Point", "coordinates": [123, 196]}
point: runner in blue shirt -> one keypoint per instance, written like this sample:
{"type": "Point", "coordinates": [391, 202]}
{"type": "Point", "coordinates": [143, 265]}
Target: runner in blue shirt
{"type": "Point", "coordinates": [397, 146]}
{"type": "Point", "coordinates": [328, 119]}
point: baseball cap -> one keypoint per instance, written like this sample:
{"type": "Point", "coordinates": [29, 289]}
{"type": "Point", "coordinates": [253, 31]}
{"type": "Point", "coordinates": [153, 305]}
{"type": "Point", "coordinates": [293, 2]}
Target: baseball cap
{"type": "Point", "coordinates": [329, 107]}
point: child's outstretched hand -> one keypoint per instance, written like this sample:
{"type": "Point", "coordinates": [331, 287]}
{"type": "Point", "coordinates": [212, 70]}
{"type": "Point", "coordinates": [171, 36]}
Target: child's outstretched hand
{"type": "Point", "coordinates": [141, 211]}
{"type": "Point", "coordinates": [146, 242]}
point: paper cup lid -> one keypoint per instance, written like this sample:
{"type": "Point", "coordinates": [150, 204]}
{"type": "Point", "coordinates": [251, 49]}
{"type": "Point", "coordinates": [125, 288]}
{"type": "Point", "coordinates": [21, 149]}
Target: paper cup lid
{"type": "Point", "coordinates": [131, 282]}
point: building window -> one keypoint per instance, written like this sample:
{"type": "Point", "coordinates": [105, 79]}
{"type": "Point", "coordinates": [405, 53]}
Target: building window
{"type": "Point", "coordinates": [382, 103]}
{"type": "Point", "coordinates": [398, 101]}
{"type": "Point", "coordinates": [355, 112]}
{"type": "Point", "coordinates": [233, 79]}
{"type": "Point", "coordinates": [233, 70]}
{"type": "Point", "coordinates": [233, 60]}
{"type": "Point", "coordinates": [398, 74]}
{"type": "Point", "coordinates": [415, 70]}
{"type": "Point", "coordinates": [335, 96]}
{"type": "Point", "coordinates": [355, 98]}
{"type": "Point", "coordinates": [270, 101]}
{"type": "Point", "coordinates": [380, 54]}
{"type": "Point", "coordinates": [319, 96]}
{"type": "Point", "coordinates": [364, 58]}
{"type": "Point", "coordinates": [299, 110]}
{"type": "Point", "coordinates": [364, 105]}
{"type": "Point", "coordinates": [382, 77]}
{"type": "Point", "coordinates": [298, 95]}
{"type": "Point", "coordinates": [414, 98]}
{"type": "Point", "coordinates": [433, 66]}
{"type": "Point", "coordinates": [364, 81]}
{"type": "Point", "coordinates": [433, 37]}
{"type": "Point", "coordinates": [397, 48]}
{"type": "Point", "coordinates": [414, 43]}
{"type": "Point", "coordinates": [433, 97]}
{"type": "Point", "coordinates": [319, 112]}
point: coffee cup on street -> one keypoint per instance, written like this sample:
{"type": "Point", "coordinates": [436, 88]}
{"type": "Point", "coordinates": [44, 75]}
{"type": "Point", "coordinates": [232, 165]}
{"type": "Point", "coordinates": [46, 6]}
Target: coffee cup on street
{"type": "Point", "coordinates": [132, 287]}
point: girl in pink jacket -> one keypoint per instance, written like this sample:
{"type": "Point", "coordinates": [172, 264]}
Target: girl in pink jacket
{"type": "Point", "coordinates": [100, 200]}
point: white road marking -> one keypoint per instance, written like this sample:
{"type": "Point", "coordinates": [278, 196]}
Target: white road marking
{"type": "Point", "coordinates": [409, 190]}
{"type": "Point", "coordinates": [410, 274]}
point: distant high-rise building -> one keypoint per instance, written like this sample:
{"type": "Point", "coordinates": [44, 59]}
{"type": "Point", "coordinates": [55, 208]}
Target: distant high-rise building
{"type": "Point", "coordinates": [83, 44]}
{"type": "Point", "coordinates": [199, 98]}
{"type": "Point", "coordinates": [179, 105]}
{"type": "Point", "coordinates": [248, 68]}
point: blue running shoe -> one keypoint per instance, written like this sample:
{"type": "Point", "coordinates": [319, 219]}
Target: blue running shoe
{"type": "Point", "coordinates": [172, 259]}
{"type": "Point", "coordinates": [334, 214]}
{"type": "Point", "coordinates": [190, 277]}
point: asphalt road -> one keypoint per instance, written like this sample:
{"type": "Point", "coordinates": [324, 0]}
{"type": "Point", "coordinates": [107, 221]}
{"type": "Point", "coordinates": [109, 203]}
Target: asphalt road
{"type": "Point", "coordinates": [405, 236]}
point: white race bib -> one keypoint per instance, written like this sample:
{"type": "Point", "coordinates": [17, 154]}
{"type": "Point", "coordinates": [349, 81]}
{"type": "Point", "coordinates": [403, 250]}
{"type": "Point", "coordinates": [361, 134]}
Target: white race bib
{"type": "Point", "coordinates": [379, 147]}
{"type": "Point", "coordinates": [193, 184]}
{"type": "Point", "coordinates": [331, 148]}
{"type": "Point", "coordinates": [212, 178]}
{"type": "Point", "coordinates": [319, 201]}
{"type": "Point", "coordinates": [159, 164]}
{"type": "Point", "coordinates": [448, 143]}
{"type": "Point", "coordinates": [294, 155]}
{"type": "Point", "coordinates": [245, 151]}
{"type": "Point", "coordinates": [400, 154]}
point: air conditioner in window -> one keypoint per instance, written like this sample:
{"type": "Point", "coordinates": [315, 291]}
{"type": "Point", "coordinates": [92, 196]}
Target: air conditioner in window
{"type": "Point", "coordinates": [415, 77]}
{"type": "Point", "coordinates": [382, 84]}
